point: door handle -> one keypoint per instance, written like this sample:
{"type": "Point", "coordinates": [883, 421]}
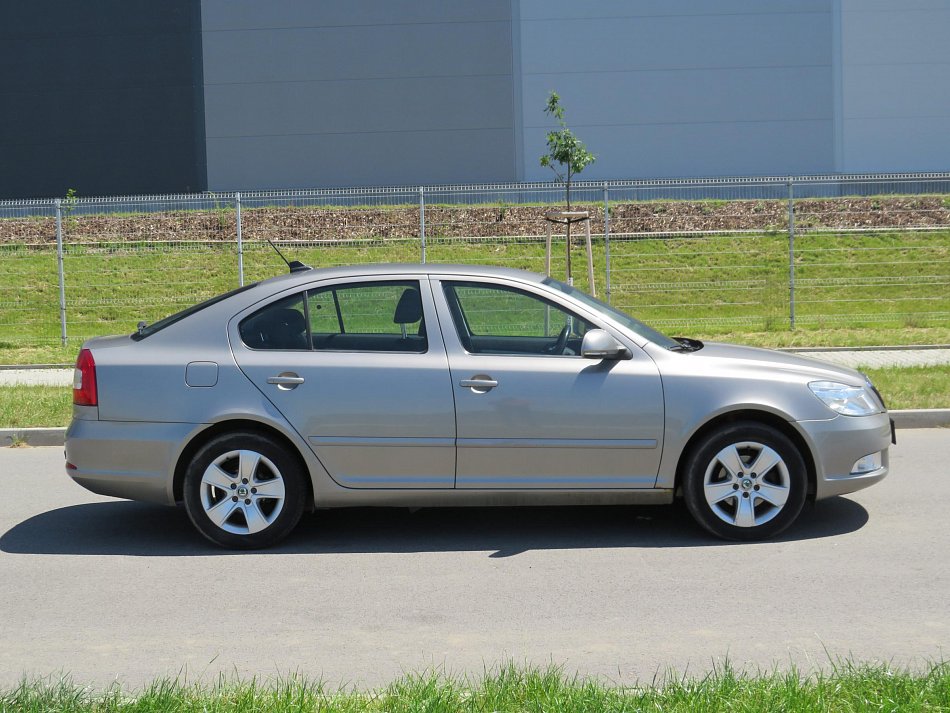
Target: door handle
{"type": "Point", "coordinates": [479, 384]}
{"type": "Point", "coordinates": [286, 380]}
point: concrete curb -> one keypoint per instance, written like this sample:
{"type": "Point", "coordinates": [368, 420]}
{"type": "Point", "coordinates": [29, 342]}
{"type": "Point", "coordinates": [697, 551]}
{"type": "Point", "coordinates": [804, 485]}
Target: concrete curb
{"type": "Point", "coordinates": [922, 418]}
{"type": "Point", "coordinates": [28, 367]}
{"type": "Point", "coordinates": [903, 419]}
{"type": "Point", "coordinates": [33, 436]}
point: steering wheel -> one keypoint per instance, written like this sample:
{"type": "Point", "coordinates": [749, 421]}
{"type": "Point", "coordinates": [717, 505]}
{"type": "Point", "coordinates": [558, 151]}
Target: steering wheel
{"type": "Point", "coordinates": [558, 346]}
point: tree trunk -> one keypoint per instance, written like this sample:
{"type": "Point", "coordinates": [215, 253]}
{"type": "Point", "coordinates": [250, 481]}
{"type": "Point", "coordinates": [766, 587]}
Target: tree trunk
{"type": "Point", "coordinates": [568, 269]}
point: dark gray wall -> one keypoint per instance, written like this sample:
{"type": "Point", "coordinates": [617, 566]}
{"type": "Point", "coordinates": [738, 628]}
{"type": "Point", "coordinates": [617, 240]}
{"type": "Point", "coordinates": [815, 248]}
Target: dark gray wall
{"type": "Point", "coordinates": [101, 97]}
{"type": "Point", "coordinates": [301, 94]}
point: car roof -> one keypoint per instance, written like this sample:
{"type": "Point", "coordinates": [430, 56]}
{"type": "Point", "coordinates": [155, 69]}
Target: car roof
{"type": "Point", "coordinates": [304, 276]}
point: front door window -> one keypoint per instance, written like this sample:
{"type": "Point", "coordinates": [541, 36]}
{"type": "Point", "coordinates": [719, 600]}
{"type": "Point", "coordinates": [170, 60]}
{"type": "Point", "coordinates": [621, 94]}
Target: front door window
{"type": "Point", "coordinates": [497, 319]}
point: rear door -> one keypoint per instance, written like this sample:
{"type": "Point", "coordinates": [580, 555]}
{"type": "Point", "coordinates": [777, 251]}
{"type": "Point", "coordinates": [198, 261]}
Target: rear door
{"type": "Point", "coordinates": [357, 369]}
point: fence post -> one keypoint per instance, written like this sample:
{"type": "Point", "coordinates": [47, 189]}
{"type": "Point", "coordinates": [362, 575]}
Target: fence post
{"type": "Point", "coordinates": [791, 253]}
{"type": "Point", "coordinates": [607, 239]}
{"type": "Point", "coordinates": [240, 242]}
{"type": "Point", "coordinates": [59, 269]}
{"type": "Point", "coordinates": [422, 222]}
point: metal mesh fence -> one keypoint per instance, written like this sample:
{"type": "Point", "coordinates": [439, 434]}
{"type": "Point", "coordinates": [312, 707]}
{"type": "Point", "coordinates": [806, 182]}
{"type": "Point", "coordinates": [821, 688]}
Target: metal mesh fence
{"type": "Point", "coordinates": [714, 256]}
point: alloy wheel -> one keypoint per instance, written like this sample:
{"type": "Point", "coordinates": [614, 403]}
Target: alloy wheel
{"type": "Point", "coordinates": [242, 492]}
{"type": "Point", "coordinates": [746, 484]}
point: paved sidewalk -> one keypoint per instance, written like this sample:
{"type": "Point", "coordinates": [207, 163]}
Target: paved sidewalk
{"type": "Point", "coordinates": [871, 358]}
{"type": "Point", "coordinates": [36, 377]}
{"type": "Point", "coordinates": [878, 358]}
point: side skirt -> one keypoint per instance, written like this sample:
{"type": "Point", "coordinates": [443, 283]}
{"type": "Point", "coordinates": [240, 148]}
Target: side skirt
{"type": "Point", "coordinates": [491, 498]}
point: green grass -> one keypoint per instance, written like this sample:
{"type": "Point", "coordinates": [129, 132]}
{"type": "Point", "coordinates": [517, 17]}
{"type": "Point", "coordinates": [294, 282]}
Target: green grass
{"type": "Point", "coordinates": [913, 387]}
{"type": "Point", "coordinates": [35, 406]}
{"type": "Point", "coordinates": [879, 288]}
{"type": "Point", "coordinates": [902, 387]}
{"type": "Point", "coordinates": [846, 688]}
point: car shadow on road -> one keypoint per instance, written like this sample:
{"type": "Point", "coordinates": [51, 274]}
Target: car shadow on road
{"type": "Point", "coordinates": [139, 529]}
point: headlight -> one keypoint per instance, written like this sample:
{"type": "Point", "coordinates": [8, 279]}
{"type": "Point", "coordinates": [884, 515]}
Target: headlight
{"type": "Point", "coordinates": [844, 399]}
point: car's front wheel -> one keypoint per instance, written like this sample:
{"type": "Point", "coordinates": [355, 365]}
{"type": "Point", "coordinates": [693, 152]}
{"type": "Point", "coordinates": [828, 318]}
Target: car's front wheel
{"type": "Point", "coordinates": [244, 491]}
{"type": "Point", "coordinates": [745, 482]}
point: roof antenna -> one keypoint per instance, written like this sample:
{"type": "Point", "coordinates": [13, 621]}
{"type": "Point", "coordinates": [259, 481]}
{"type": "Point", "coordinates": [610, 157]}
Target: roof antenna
{"type": "Point", "coordinates": [294, 265]}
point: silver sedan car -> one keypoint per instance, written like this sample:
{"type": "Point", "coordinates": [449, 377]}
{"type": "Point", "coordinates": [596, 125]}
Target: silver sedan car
{"type": "Point", "coordinates": [438, 385]}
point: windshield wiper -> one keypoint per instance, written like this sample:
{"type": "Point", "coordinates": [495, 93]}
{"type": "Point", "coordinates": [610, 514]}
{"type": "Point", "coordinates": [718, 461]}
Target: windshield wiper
{"type": "Point", "coordinates": [686, 345]}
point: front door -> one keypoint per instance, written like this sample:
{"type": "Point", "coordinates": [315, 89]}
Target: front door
{"type": "Point", "coordinates": [356, 368]}
{"type": "Point", "coordinates": [530, 411]}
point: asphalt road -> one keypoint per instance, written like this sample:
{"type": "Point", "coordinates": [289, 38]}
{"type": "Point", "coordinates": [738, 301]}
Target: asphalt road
{"type": "Point", "coordinates": [106, 589]}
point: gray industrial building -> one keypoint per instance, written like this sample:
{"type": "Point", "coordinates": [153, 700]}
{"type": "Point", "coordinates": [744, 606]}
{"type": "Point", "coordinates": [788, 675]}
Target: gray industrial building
{"type": "Point", "coordinates": [136, 96]}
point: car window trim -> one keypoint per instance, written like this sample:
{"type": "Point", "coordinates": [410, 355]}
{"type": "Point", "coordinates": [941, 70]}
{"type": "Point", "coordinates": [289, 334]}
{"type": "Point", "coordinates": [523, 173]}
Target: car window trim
{"type": "Point", "coordinates": [339, 313]}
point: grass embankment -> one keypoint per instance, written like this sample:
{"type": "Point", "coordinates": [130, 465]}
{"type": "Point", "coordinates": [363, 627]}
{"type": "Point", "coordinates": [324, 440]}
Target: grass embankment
{"type": "Point", "coordinates": [903, 388]}
{"type": "Point", "coordinates": [851, 290]}
{"type": "Point", "coordinates": [846, 688]}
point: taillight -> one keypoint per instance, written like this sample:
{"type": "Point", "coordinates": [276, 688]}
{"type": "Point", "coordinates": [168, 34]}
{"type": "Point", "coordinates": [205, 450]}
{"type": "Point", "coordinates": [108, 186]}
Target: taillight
{"type": "Point", "coordinates": [85, 392]}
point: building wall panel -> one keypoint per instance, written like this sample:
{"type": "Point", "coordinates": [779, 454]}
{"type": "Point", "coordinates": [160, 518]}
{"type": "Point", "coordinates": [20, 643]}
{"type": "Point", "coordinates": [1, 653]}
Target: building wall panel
{"type": "Point", "coordinates": [682, 88]}
{"type": "Point", "coordinates": [895, 85]}
{"type": "Point", "coordinates": [357, 94]}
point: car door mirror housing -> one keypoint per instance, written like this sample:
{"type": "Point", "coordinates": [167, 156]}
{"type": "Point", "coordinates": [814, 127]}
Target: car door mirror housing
{"type": "Point", "coordinates": [600, 344]}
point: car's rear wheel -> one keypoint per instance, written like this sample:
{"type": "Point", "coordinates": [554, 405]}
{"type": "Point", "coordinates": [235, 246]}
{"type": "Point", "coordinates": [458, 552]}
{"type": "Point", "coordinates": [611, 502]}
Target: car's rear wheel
{"type": "Point", "coordinates": [745, 482]}
{"type": "Point", "coordinates": [244, 491]}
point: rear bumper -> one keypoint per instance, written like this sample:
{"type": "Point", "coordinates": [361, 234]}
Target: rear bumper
{"type": "Point", "coordinates": [838, 443]}
{"type": "Point", "coordinates": [125, 459]}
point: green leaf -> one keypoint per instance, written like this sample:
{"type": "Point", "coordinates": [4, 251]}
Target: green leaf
{"type": "Point", "coordinates": [564, 148]}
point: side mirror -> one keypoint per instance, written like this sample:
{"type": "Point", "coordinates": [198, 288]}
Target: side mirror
{"type": "Point", "coordinates": [599, 344]}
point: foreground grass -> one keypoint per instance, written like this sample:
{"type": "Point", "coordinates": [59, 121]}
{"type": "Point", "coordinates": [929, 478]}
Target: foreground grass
{"type": "Point", "coordinates": [902, 387]}
{"type": "Point", "coordinates": [847, 687]}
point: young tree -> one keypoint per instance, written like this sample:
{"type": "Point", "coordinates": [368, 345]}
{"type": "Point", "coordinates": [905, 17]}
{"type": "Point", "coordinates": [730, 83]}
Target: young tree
{"type": "Point", "coordinates": [568, 152]}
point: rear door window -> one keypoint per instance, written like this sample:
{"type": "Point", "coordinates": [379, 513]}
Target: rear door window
{"type": "Point", "coordinates": [379, 316]}
{"type": "Point", "coordinates": [371, 316]}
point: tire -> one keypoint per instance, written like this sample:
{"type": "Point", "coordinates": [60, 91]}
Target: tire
{"type": "Point", "coordinates": [729, 498]}
{"type": "Point", "coordinates": [244, 491]}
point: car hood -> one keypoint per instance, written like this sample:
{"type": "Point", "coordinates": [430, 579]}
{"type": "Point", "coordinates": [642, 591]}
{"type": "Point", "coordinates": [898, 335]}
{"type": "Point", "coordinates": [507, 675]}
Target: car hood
{"type": "Point", "coordinates": [754, 357]}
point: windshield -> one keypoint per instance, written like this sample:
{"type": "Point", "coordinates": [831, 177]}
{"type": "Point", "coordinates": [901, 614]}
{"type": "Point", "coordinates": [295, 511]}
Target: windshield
{"type": "Point", "coordinates": [178, 316]}
{"type": "Point", "coordinates": [634, 325]}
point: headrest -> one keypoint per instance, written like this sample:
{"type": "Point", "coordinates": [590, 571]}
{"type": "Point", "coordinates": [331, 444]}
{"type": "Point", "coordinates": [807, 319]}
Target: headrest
{"type": "Point", "coordinates": [409, 309]}
{"type": "Point", "coordinates": [290, 319]}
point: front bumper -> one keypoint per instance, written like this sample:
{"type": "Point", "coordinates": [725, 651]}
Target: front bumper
{"type": "Point", "coordinates": [126, 459]}
{"type": "Point", "coordinates": [838, 443]}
